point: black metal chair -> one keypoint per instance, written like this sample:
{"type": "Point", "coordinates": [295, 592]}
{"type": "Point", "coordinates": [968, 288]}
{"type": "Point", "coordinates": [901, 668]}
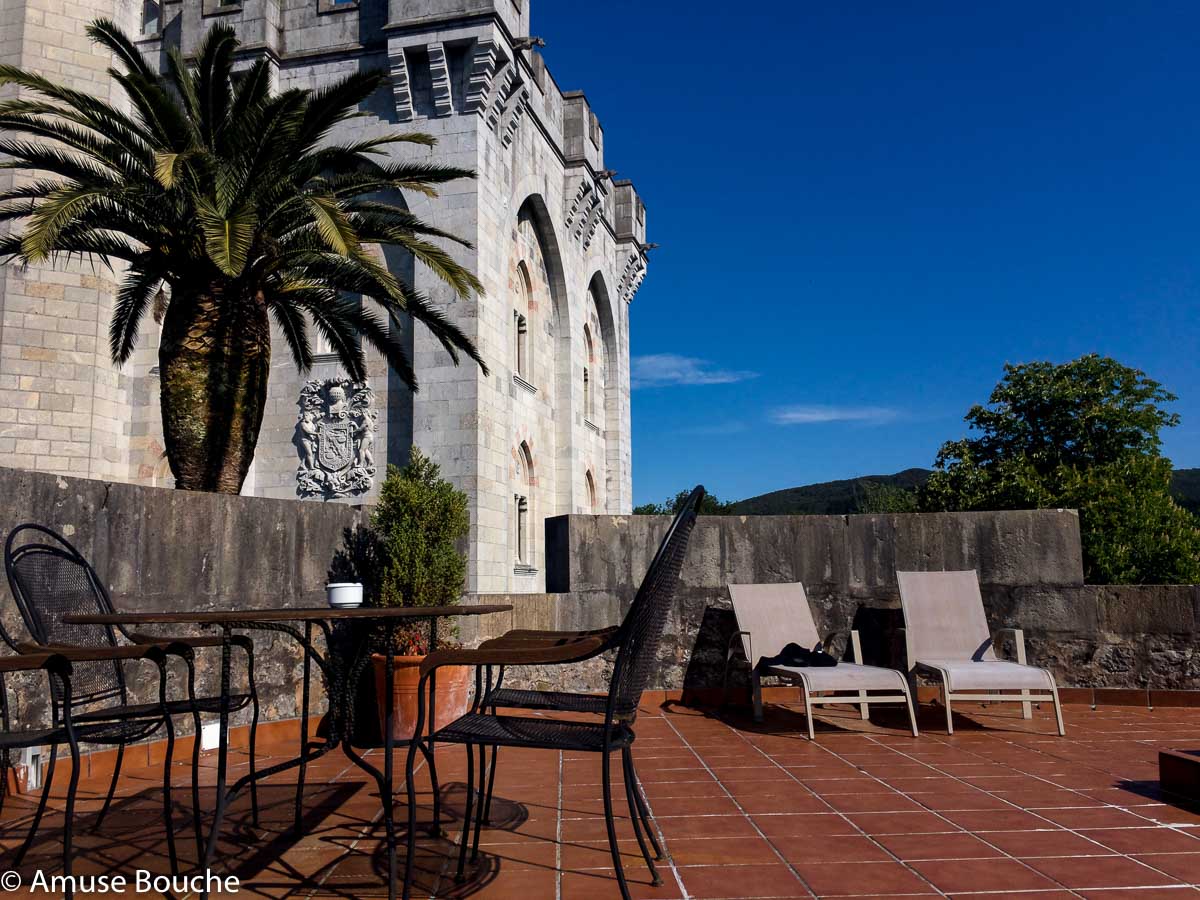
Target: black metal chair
{"type": "Point", "coordinates": [49, 579]}
{"type": "Point", "coordinates": [637, 645]}
{"type": "Point", "coordinates": [12, 739]}
{"type": "Point", "coordinates": [67, 668]}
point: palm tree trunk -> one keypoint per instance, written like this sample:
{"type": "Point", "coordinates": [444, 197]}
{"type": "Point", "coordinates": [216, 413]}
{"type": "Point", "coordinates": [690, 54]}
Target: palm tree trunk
{"type": "Point", "coordinates": [214, 361]}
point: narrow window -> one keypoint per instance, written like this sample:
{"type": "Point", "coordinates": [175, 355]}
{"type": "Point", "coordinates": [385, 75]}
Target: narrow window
{"type": "Point", "coordinates": [151, 17]}
{"type": "Point", "coordinates": [523, 545]}
{"type": "Point", "coordinates": [589, 358]}
{"type": "Point", "coordinates": [521, 350]}
{"type": "Point", "coordinates": [521, 528]}
{"type": "Point", "coordinates": [591, 491]}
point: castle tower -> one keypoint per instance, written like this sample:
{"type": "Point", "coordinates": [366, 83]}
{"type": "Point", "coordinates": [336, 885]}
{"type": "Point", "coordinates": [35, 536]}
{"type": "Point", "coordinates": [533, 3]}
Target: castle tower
{"type": "Point", "coordinates": [65, 409]}
{"type": "Point", "coordinates": [558, 244]}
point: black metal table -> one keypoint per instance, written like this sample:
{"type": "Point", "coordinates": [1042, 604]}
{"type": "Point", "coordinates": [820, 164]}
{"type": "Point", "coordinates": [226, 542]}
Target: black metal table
{"type": "Point", "coordinates": [341, 674]}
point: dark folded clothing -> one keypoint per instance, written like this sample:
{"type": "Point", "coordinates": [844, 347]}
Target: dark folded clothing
{"type": "Point", "coordinates": [795, 655]}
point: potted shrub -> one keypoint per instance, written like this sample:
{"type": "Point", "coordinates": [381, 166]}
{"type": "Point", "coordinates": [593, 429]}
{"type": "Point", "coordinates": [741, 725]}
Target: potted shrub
{"type": "Point", "coordinates": [409, 557]}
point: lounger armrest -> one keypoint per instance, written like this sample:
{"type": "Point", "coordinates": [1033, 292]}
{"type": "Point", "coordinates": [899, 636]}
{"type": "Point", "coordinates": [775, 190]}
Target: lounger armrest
{"type": "Point", "coordinates": [854, 640]}
{"type": "Point", "coordinates": [532, 639]}
{"type": "Point", "coordinates": [535, 634]}
{"type": "Point", "coordinates": [1018, 641]}
{"type": "Point", "coordinates": [909, 660]}
{"type": "Point", "coordinates": [514, 655]}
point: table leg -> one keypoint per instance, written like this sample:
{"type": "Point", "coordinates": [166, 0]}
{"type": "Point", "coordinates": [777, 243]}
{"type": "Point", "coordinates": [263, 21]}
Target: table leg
{"type": "Point", "coordinates": [303, 728]}
{"type": "Point", "coordinates": [222, 753]}
{"type": "Point", "coordinates": [389, 744]}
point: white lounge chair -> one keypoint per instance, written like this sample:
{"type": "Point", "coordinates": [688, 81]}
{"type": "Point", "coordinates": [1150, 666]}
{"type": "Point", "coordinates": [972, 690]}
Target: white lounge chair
{"type": "Point", "coordinates": [947, 635]}
{"type": "Point", "coordinates": [771, 616]}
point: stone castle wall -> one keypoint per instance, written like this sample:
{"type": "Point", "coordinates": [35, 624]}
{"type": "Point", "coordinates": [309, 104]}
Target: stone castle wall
{"type": "Point", "coordinates": [542, 201]}
{"type": "Point", "coordinates": [64, 408]}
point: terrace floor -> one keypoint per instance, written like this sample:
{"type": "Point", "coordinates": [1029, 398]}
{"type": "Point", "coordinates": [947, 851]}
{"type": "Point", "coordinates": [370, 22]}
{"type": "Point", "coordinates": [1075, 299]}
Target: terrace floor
{"type": "Point", "coordinates": [1003, 807]}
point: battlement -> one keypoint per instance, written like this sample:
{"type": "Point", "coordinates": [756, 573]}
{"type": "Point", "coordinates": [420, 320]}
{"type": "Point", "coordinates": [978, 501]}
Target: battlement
{"type": "Point", "coordinates": [291, 28]}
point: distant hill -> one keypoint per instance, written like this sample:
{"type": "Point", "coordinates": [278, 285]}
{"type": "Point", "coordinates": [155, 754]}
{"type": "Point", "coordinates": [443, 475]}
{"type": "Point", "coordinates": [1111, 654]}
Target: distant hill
{"type": "Point", "coordinates": [839, 498]}
{"type": "Point", "coordinates": [1185, 485]}
{"type": "Point", "coordinates": [832, 498]}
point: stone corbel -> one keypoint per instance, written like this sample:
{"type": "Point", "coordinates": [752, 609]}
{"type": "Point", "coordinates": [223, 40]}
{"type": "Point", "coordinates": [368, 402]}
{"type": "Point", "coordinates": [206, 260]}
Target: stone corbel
{"type": "Point", "coordinates": [484, 64]}
{"type": "Point", "coordinates": [401, 90]}
{"type": "Point", "coordinates": [584, 188]}
{"type": "Point", "coordinates": [500, 90]}
{"type": "Point", "coordinates": [514, 111]}
{"type": "Point", "coordinates": [439, 73]}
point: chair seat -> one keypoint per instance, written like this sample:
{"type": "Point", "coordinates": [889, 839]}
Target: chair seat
{"type": "Point", "coordinates": [10, 740]}
{"type": "Point", "coordinates": [989, 675]}
{"type": "Point", "coordinates": [843, 677]}
{"type": "Point", "coordinates": [533, 732]}
{"type": "Point", "coordinates": [556, 700]}
{"type": "Point", "coordinates": [110, 732]}
{"type": "Point", "coordinates": [150, 710]}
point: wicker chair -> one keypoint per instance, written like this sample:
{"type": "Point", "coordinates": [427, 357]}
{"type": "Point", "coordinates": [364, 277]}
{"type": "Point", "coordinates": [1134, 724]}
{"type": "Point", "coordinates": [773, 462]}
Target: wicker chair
{"type": "Point", "coordinates": [49, 578]}
{"type": "Point", "coordinates": [637, 645]}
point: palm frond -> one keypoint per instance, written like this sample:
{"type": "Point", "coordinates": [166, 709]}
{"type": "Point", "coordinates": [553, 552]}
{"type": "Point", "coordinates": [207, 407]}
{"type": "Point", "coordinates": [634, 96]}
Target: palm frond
{"type": "Point", "coordinates": [213, 87]}
{"type": "Point", "coordinates": [106, 33]}
{"type": "Point", "coordinates": [294, 328]}
{"type": "Point", "coordinates": [228, 236]}
{"type": "Point", "coordinates": [134, 298]}
{"type": "Point", "coordinates": [86, 105]}
{"type": "Point", "coordinates": [337, 102]}
{"type": "Point", "coordinates": [48, 158]}
{"type": "Point", "coordinates": [332, 225]}
{"type": "Point", "coordinates": [52, 216]}
{"type": "Point", "coordinates": [84, 140]}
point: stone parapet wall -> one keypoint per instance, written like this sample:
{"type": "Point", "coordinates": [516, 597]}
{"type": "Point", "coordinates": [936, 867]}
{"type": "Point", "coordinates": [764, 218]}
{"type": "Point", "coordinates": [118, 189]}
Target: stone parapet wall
{"type": "Point", "coordinates": [157, 548]}
{"type": "Point", "coordinates": [163, 549]}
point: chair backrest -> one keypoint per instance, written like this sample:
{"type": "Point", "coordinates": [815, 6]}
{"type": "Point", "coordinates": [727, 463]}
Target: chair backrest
{"type": "Point", "coordinates": [49, 579]}
{"type": "Point", "coordinates": [642, 629]}
{"type": "Point", "coordinates": [773, 616]}
{"type": "Point", "coordinates": [943, 616]}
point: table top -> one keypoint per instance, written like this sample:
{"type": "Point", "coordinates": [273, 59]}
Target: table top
{"type": "Point", "coordinates": [312, 614]}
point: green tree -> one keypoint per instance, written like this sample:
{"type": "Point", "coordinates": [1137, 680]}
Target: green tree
{"type": "Point", "coordinates": [709, 506]}
{"type": "Point", "coordinates": [886, 498]}
{"type": "Point", "coordinates": [229, 207]}
{"type": "Point", "coordinates": [1084, 434]}
{"type": "Point", "coordinates": [419, 519]}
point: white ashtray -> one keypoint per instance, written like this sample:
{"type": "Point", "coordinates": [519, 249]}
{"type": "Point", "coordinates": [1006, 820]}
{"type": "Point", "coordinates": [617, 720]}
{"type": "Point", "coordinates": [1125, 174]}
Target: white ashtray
{"type": "Point", "coordinates": [344, 594]}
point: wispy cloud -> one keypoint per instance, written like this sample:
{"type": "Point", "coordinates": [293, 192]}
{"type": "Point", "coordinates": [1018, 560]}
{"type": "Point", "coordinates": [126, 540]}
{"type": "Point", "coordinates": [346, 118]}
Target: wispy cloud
{"type": "Point", "coordinates": [817, 415]}
{"type": "Point", "coordinates": [662, 369]}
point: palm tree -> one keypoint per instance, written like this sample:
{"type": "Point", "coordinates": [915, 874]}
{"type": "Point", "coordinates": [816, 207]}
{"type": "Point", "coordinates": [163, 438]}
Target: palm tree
{"type": "Point", "coordinates": [234, 199]}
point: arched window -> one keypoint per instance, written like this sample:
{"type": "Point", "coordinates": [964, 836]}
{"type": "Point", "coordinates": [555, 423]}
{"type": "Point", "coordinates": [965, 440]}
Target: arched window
{"type": "Point", "coordinates": [591, 491]}
{"type": "Point", "coordinates": [521, 361]}
{"type": "Point", "coordinates": [521, 534]}
{"type": "Point", "coordinates": [589, 408]}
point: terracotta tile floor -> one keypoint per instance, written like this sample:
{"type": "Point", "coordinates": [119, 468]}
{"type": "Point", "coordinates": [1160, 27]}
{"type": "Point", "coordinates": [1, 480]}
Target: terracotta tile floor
{"type": "Point", "coordinates": [1001, 809]}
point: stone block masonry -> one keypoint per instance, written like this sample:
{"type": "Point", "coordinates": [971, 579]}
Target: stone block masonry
{"type": "Point", "coordinates": [543, 204]}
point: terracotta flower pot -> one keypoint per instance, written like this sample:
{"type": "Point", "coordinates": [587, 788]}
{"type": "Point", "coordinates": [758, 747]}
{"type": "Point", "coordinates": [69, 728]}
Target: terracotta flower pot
{"type": "Point", "coordinates": [452, 694]}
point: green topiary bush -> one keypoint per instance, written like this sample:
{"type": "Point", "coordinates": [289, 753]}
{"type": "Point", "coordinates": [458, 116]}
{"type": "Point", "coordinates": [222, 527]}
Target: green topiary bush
{"type": "Point", "coordinates": [409, 554]}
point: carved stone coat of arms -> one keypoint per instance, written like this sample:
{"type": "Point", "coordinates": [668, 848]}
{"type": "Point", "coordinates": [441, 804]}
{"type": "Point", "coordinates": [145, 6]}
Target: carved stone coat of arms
{"type": "Point", "coordinates": [335, 438]}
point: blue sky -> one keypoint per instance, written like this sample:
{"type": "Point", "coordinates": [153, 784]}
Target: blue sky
{"type": "Point", "coordinates": [865, 209]}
